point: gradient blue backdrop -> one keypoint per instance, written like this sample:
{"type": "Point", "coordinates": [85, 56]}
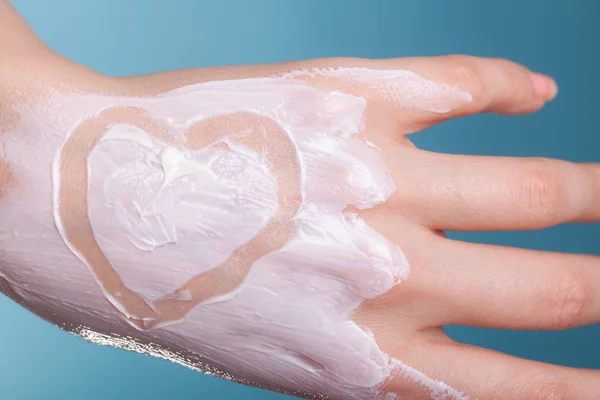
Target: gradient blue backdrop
{"type": "Point", "coordinates": [125, 37]}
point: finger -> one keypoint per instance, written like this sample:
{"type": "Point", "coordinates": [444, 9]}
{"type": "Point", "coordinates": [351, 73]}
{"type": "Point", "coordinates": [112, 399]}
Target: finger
{"type": "Point", "coordinates": [403, 95]}
{"type": "Point", "coordinates": [479, 373]}
{"type": "Point", "coordinates": [494, 85]}
{"type": "Point", "coordinates": [457, 192]}
{"type": "Point", "coordinates": [508, 288]}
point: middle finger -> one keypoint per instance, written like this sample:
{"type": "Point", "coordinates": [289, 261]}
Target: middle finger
{"type": "Point", "coordinates": [458, 192]}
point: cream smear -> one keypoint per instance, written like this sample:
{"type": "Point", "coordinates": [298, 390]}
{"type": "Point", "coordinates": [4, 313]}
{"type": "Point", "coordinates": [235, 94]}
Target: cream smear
{"type": "Point", "coordinates": [209, 225]}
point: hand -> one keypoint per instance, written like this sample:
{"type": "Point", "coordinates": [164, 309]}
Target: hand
{"type": "Point", "coordinates": [449, 283]}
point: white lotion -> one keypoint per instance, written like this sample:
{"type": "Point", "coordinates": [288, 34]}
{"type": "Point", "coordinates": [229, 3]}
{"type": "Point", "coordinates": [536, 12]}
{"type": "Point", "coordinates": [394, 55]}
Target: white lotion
{"type": "Point", "coordinates": [211, 221]}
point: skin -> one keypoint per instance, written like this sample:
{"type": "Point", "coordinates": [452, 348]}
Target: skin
{"type": "Point", "coordinates": [458, 283]}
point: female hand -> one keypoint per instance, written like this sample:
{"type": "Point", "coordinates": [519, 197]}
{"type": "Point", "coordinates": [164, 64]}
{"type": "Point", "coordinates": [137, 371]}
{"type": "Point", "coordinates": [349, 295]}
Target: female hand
{"type": "Point", "coordinates": [339, 315]}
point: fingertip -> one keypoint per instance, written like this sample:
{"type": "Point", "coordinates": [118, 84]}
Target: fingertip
{"type": "Point", "coordinates": [544, 87]}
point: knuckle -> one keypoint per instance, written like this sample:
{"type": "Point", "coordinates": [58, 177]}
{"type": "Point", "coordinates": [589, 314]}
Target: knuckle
{"type": "Point", "coordinates": [515, 80]}
{"type": "Point", "coordinates": [511, 69]}
{"type": "Point", "coordinates": [552, 390]}
{"type": "Point", "coordinates": [466, 72]}
{"type": "Point", "coordinates": [541, 386]}
{"type": "Point", "coordinates": [543, 191]}
{"type": "Point", "coordinates": [571, 300]}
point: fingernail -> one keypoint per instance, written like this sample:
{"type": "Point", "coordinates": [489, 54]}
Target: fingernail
{"type": "Point", "coordinates": [544, 86]}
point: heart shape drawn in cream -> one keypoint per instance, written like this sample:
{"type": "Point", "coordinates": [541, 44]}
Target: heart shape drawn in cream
{"type": "Point", "coordinates": [73, 220]}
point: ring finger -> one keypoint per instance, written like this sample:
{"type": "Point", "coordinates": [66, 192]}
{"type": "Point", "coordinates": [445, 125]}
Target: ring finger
{"type": "Point", "coordinates": [501, 287]}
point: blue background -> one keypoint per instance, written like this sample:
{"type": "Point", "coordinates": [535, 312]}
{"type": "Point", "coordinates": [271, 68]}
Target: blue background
{"type": "Point", "coordinates": [126, 37]}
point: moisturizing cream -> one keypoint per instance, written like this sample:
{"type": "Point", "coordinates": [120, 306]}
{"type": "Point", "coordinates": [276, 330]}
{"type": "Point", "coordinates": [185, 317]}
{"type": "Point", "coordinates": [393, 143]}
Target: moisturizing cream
{"type": "Point", "coordinates": [213, 221]}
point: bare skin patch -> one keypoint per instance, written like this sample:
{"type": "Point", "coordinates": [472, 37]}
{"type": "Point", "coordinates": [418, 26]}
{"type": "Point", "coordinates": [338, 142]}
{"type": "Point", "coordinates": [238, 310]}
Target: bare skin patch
{"type": "Point", "coordinates": [7, 178]}
{"type": "Point", "coordinates": [8, 120]}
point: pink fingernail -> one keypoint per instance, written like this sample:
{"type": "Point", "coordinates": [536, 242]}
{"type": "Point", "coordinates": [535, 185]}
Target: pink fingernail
{"type": "Point", "coordinates": [544, 86]}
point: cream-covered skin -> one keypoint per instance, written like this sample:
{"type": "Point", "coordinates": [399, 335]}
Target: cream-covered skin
{"type": "Point", "coordinates": [99, 175]}
{"type": "Point", "coordinates": [217, 220]}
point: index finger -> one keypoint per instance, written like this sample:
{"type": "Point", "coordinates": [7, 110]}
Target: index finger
{"type": "Point", "coordinates": [494, 85]}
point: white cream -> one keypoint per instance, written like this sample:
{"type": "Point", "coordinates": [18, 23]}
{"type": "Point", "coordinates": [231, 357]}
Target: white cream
{"type": "Point", "coordinates": [406, 88]}
{"type": "Point", "coordinates": [194, 181]}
